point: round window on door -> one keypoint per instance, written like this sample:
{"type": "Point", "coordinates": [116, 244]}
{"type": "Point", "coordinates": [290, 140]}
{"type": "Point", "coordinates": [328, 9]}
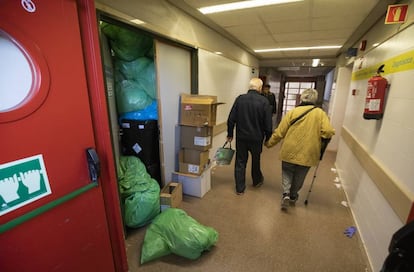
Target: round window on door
{"type": "Point", "coordinates": [24, 76]}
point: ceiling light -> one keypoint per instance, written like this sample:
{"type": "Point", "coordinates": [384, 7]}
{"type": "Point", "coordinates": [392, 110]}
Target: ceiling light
{"type": "Point", "coordinates": [297, 48]}
{"type": "Point", "coordinates": [137, 21]}
{"type": "Point", "coordinates": [243, 5]}
{"type": "Point", "coordinates": [315, 62]}
{"type": "Point", "coordinates": [295, 68]}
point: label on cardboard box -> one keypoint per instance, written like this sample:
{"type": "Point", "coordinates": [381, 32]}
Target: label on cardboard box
{"type": "Point", "coordinates": [202, 141]}
{"type": "Point", "coordinates": [193, 168]}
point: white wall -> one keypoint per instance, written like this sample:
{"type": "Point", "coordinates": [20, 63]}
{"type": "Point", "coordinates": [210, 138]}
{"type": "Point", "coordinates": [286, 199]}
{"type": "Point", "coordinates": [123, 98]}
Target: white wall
{"type": "Point", "coordinates": [387, 141]}
{"type": "Point", "coordinates": [338, 104]}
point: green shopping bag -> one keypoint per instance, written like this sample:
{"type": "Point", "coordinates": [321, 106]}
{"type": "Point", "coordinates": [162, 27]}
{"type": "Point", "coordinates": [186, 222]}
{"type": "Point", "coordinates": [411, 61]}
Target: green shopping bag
{"type": "Point", "coordinates": [224, 155]}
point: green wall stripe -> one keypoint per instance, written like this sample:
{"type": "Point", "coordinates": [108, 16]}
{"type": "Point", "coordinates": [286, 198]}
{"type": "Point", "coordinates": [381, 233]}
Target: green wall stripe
{"type": "Point", "coordinates": [21, 219]}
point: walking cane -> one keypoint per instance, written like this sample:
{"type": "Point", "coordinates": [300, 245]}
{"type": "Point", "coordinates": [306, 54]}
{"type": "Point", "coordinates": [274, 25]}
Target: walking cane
{"type": "Point", "coordinates": [324, 144]}
{"type": "Point", "coordinates": [310, 188]}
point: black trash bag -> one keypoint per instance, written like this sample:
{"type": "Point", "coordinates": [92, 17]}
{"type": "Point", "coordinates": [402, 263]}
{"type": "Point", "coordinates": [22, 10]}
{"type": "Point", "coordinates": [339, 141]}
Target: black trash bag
{"type": "Point", "coordinates": [173, 231]}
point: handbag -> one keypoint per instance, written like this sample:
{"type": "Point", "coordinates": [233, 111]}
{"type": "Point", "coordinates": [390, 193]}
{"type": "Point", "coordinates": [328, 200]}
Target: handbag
{"type": "Point", "coordinates": [224, 155]}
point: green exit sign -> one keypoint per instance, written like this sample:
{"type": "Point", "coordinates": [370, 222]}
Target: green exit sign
{"type": "Point", "coordinates": [22, 182]}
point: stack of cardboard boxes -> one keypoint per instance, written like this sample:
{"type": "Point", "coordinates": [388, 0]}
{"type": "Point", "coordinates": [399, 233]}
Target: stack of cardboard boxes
{"type": "Point", "coordinates": [197, 118]}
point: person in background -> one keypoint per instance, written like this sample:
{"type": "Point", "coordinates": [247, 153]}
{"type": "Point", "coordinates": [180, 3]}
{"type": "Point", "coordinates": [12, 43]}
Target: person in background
{"type": "Point", "coordinates": [272, 101]}
{"type": "Point", "coordinates": [251, 115]}
{"type": "Point", "coordinates": [304, 130]}
{"type": "Point", "coordinates": [270, 96]}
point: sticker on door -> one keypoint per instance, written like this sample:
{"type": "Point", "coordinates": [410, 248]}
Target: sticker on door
{"type": "Point", "coordinates": [22, 182]}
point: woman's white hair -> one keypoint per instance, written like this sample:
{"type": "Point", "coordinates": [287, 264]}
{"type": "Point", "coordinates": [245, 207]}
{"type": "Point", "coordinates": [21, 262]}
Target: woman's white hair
{"type": "Point", "coordinates": [309, 96]}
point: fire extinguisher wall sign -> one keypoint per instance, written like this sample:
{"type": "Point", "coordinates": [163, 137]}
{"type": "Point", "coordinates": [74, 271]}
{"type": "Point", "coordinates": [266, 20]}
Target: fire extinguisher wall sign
{"type": "Point", "coordinates": [375, 98]}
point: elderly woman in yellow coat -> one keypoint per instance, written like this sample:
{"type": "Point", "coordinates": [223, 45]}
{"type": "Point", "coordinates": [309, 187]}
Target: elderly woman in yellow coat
{"type": "Point", "coordinates": [303, 130]}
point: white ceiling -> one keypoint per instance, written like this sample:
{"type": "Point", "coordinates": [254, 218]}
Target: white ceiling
{"type": "Point", "coordinates": [299, 24]}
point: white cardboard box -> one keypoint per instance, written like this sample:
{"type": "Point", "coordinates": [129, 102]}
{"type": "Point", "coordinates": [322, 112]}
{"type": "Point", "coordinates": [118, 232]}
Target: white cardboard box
{"type": "Point", "coordinates": [194, 185]}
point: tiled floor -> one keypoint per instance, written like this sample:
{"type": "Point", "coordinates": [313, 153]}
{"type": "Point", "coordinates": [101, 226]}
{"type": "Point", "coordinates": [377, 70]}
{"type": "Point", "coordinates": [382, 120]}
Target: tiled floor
{"type": "Point", "coordinates": [255, 235]}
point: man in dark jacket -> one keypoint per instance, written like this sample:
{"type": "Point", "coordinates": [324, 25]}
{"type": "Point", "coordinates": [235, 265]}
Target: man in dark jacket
{"type": "Point", "coordinates": [251, 114]}
{"type": "Point", "coordinates": [270, 96]}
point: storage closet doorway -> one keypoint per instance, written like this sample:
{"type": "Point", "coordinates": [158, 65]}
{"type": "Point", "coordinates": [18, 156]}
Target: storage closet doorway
{"type": "Point", "coordinates": [144, 77]}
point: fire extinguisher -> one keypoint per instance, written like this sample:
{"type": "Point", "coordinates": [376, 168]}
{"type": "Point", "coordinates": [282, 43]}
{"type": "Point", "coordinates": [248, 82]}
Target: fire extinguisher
{"type": "Point", "coordinates": [374, 101]}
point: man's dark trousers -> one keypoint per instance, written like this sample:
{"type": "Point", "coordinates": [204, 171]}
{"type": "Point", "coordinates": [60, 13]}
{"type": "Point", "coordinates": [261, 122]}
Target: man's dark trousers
{"type": "Point", "coordinates": [243, 148]}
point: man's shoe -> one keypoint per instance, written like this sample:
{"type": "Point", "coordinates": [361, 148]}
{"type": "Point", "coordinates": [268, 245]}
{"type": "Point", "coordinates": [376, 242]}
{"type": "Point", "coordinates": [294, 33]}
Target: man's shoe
{"type": "Point", "coordinates": [240, 193]}
{"type": "Point", "coordinates": [258, 184]}
{"type": "Point", "coordinates": [285, 203]}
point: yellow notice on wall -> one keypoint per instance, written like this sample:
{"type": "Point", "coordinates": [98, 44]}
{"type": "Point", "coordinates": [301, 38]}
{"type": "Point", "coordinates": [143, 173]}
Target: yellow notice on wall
{"type": "Point", "coordinates": [400, 63]}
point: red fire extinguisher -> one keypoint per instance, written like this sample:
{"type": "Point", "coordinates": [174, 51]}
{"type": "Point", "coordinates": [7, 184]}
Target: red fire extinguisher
{"type": "Point", "coordinates": [374, 101]}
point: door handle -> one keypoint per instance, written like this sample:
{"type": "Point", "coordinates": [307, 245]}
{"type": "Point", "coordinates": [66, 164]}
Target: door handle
{"type": "Point", "coordinates": [94, 164]}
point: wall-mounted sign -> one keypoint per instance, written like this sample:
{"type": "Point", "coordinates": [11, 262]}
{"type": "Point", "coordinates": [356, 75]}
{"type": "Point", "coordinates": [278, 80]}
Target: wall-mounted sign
{"type": "Point", "coordinates": [22, 182]}
{"type": "Point", "coordinates": [396, 14]}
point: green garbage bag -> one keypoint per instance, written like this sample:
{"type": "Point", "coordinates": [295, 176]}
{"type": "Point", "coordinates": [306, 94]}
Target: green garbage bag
{"type": "Point", "coordinates": [127, 44]}
{"type": "Point", "coordinates": [130, 96]}
{"type": "Point", "coordinates": [130, 172]}
{"type": "Point", "coordinates": [139, 192]}
{"type": "Point", "coordinates": [173, 231]}
{"type": "Point", "coordinates": [142, 206]}
{"type": "Point", "coordinates": [141, 71]}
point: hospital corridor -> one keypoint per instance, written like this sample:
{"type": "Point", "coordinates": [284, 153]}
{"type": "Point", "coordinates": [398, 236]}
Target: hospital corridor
{"type": "Point", "coordinates": [125, 128]}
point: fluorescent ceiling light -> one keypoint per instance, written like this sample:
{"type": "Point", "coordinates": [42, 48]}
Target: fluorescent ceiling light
{"type": "Point", "coordinates": [137, 21]}
{"type": "Point", "coordinates": [297, 48]}
{"type": "Point", "coordinates": [243, 5]}
{"type": "Point", "coordinates": [315, 62]}
{"type": "Point", "coordinates": [294, 68]}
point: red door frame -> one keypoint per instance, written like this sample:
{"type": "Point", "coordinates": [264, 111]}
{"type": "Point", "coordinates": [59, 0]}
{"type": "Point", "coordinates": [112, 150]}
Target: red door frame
{"type": "Point", "coordinates": [95, 81]}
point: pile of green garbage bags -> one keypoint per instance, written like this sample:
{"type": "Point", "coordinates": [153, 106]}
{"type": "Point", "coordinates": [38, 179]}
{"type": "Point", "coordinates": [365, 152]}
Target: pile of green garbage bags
{"type": "Point", "coordinates": [173, 231]}
{"type": "Point", "coordinates": [134, 69]}
{"type": "Point", "coordinates": [140, 193]}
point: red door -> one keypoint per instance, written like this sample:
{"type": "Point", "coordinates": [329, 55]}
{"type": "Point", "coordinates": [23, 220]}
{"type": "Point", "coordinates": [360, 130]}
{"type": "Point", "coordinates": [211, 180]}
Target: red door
{"type": "Point", "coordinates": [53, 216]}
